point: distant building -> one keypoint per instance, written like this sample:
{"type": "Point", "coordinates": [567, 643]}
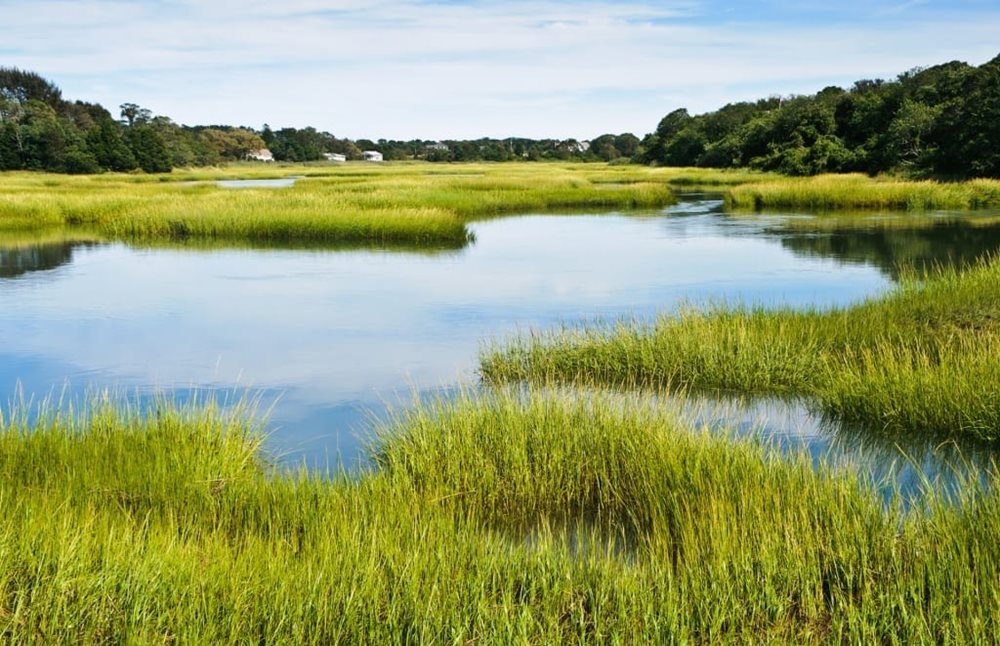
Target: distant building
{"type": "Point", "coordinates": [263, 155]}
{"type": "Point", "coordinates": [372, 156]}
{"type": "Point", "coordinates": [334, 157]}
{"type": "Point", "coordinates": [438, 146]}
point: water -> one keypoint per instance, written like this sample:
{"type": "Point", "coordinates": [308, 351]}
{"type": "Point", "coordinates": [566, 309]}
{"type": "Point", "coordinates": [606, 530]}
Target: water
{"type": "Point", "coordinates": [333, 338]}
{"type": "Point", "coordinates": [284, 182]}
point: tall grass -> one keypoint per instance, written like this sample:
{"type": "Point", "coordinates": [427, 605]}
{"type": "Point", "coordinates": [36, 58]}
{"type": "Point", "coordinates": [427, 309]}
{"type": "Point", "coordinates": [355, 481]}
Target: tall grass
{"type": "Point", "coordinates": [415, 204]}
{"type": "Point", "coordinates": [855, 191]}
{"type": "Point", "coordinates": [922, 359]}
{"type": "Point", "coordinates": [522, 517]}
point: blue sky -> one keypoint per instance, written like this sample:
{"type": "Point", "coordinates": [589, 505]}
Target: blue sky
{"type": "Point", "coordinates": [469, 68]}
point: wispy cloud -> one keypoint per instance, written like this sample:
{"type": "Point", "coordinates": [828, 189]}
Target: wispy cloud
{"type": "Point", "coordinates": [901, 8]}
{"type": "Point", "coordinates": [402, 68]}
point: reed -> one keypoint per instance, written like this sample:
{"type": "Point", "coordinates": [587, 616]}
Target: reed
{"type": "Point", "coordinates": [855, 191]}
{"type": "Point", "coordinates": [405, 204]}
{"type": "Point", "coordinates": [922, 359]}
{"type": "Point", "coordinates": [521, 516]}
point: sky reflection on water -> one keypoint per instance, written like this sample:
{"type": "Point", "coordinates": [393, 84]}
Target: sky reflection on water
{"type": "Point", "coordinates": [332, 337]}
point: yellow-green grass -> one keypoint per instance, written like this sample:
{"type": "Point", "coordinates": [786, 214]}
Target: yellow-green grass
{"type": "Point", "coordinates": [515, 518]}
{"type": "Point", "coordinates": [922, 359]}
{"type": "Point", "coordinates": [407, 203]}
{"type": "Point", "coordinates": [855, 191]}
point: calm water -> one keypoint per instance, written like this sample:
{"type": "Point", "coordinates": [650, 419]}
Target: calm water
{"type": "Point", "coordinates": [335, 336]}
{"type": "Point", "coordinates": [284, 182]}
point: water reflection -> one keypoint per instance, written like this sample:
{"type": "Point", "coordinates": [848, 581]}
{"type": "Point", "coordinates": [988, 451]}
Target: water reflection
{"type": "Point", "coordinates": [891, 241]}
{"type": "Point", "coordinates": [337, 337]}
{"type": "Point", "coordinates": [929, 244]}
{"type": "Point", "coordinates": [907, 465]}
{"type": "Point", "coordinates": [19, 260]}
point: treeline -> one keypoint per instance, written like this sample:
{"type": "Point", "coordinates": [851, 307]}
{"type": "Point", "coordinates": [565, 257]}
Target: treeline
{"type": "Point", "coordinates": [603, 148]}
{"type": "Point", "coordinates": [39, 130]}
{"type": "Point", "coordinates": [942, 121]}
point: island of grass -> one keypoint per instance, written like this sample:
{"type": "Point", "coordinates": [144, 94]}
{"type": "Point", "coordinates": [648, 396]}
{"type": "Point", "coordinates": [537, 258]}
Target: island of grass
{"type": "Point", "coordinates": [404, 204]}
{"type": "Point", "coordinates": [528, 517]}
{"type": "Point", "coordinates": [856, 191]}
{"type": "Point", "coordinates": [413, 204]}
{"type": "Point", "coordinates": [922, 359]}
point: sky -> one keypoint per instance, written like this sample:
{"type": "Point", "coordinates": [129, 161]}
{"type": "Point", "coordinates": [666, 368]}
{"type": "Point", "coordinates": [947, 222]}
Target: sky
{"type": "Point", "coordinates": [449, 69]}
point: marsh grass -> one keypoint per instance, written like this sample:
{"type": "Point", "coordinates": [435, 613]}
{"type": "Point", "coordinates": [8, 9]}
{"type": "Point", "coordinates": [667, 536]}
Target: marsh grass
{"type": "Point", "coordinates": [394, 204]}
{"type": "Point", "coordinates": [922, 359]}
{"type": "Point", "coordinates": [855, 191]}
{"type": "Point", "coordinates": [522, 516]}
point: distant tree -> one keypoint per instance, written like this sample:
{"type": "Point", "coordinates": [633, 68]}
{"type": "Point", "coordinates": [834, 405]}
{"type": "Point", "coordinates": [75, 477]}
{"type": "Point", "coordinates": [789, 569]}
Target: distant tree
{"type": "Point", "coordinates": [627, 144]}
{"type": "Point", "coordinates": [133, 115]}
{"type": "Point", "coordinates": [655, 148]}
{"type": "Point", "coordinates": [604, 148]}
{"type": "Point", "coordinates": [21, 86]}
{"type": "Point", "coordinates": [230, 143]}
{"type": "Point", "coordinates": [40, 138]}
{"type": "Point", "coordinates": [80, 161]}
{"type": "Point", "coordinates": [108, 146]}
{"type": "Point", "coordinates": [905, 141]}
{"type": "Point", "coordinates": [149, 149]}
{"type": "Point", "coordinates": [968, 131]}
{"type": "Point", "coordinates": [178, 141]}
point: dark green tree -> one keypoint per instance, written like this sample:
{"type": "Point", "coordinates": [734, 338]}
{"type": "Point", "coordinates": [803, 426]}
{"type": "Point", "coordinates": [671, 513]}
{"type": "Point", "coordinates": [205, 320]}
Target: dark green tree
{"type": "Point", "coordinates": [149, 149]}
{"type": "Point", "coordinates": [108, 146]}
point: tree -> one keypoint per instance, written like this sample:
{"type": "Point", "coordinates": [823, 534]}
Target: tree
{"type": "Point", "coordinates": [228, 143]}
{"type": "Point", "coordinates": [39, 136]}
{"type": "Point", "coordinates": [967, 132]}
{"type": "Point", "coordinates": [109, 148]}
{"type": "Point", "coordinates": [149, 149]}
{"type": "Point", "coordinates": [133, 115]}
{"type": "Point", "coordinates": [655, 148]}
{"type": "Point", "coordinates": [22, 86]}
{"type": "Point", "coordinates": [627, 144]}
{"type": "Point", "coordinates": [905, 141]}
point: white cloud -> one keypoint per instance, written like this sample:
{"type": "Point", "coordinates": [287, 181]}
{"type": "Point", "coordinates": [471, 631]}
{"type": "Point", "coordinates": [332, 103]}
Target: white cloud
{"type": "Point", "coordinates": [403, 68]}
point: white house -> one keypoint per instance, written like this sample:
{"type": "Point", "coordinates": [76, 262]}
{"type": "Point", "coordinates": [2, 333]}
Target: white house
{"type": "Point", "coordinates": [372, 155]}
{"type": "Point", "coordinates": [334, 157]}
{"type": "Point", "coordinates": [263, 155]}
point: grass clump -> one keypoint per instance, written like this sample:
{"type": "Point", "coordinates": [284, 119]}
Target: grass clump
{"type": "Point", "coordinates": [922, 359]}
{"type": "Point", "coordinates": [856, 191]}
{"type": "Point", "coordinates": [522, 516]}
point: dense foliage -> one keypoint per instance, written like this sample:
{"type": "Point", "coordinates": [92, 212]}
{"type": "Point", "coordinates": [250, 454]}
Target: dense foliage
{"type": "Point", "coordinates": [39, 130]}
{"type": "Point", "coordinates": [942, 121]}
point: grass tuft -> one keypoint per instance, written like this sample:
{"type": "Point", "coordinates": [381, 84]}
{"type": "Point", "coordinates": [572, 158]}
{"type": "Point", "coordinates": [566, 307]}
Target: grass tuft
{"type": "Point", "coordinates": [528, 516]}
{"type": "Point", "coordinates": [922, 359]}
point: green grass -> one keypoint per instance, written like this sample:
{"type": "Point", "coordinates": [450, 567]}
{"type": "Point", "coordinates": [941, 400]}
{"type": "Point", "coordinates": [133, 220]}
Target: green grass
{"type": "Point", "coordinates": [519, 517]}
{"type": "Point", "coordinates": [391, 204]}
{"type": "Point", "coordinates": [922, 359]}
{"type": "Point", "coordinates": [853, 191]}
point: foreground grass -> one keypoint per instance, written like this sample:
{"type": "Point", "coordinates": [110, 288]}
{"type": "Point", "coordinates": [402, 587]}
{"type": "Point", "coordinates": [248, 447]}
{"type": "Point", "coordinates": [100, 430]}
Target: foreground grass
{"type": "Point", "coordinates": [855, 191]}
{"type": "Point", "coordinates": [512, 518]}
{"type": "Point", "coordinates": [923, 359]}
{"type": "Point", "coordinates": [413, 204]}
